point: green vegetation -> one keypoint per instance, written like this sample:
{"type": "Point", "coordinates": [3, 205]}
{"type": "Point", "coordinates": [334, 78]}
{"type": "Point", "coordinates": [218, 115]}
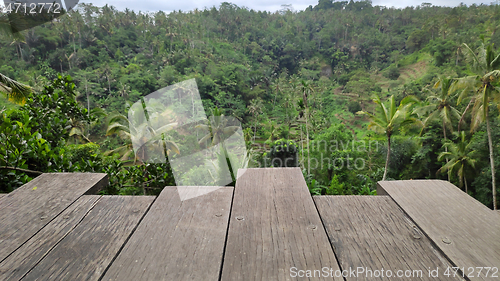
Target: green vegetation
{"type": "Point", "coordinates": [296, 80]}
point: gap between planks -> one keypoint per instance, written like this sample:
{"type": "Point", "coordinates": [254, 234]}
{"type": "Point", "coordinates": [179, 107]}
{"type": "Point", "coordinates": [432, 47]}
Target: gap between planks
{"type": "Point", "coordinates": [274, 228]}
{"type": "Point", "coordinates": [465, 230]}
{"type": "Point", "coordinates": [84, 252]}
{"type": "Point", "coordinates": [28, 209]}
{"type": "Point", "coordinates": [177, 240]}
{"type": "Point", "coordinates": [372, 233]}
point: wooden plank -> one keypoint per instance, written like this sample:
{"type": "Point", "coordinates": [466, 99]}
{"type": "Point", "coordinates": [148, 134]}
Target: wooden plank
{"type": "Point", "coordinates": [465, 230]}
{"type": "Point", "coordinates": [372, 233]}
{"type": "Point", "coordinates": [177, 240]}
{"type": "Point", "coordinates": [275, 230]}
{"type": "Point", "coordinates": [30, 253]}
{"type": "Point", "coordinates": [29, 208]}
{"type": "Point", "coordinates": [86, 252]}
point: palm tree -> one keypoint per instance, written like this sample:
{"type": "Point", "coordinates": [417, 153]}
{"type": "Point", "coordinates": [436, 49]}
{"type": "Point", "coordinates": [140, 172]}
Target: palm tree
{"type": "Point", "coordinates": [440, 106]}
{"type": "Point", "coordinates": [218, 130]}
{"type": "Point", "coordinates": [461, 161]}
{"type": "Point", "coordinates": [15, 91]}
{"type": "Point", "coordinates": [171, 35]}
{"type": "Point", "coordinates": [306, 89]}
{"type": "Point", "coordinates": [486, 65]}
{"type": "Point", "coordinates": [121, 126]}
{"type": "Point", "coordinates": [272, 127]}
{"type": "Point", "coordinates": [390, 119]}
{"type": "Point", "coordinates": [77, 129]}
{"type": "Point", "coordinates": [255, 107]}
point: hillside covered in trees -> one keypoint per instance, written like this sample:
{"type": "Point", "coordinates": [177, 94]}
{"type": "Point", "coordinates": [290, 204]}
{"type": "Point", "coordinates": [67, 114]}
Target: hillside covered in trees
{"type": "Point", "coordinates": [337, 85]}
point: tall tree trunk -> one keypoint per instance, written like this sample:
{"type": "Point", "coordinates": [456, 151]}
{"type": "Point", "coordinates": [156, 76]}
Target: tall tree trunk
{"type": "Point", "coordinates": [388, 156]}
{"type": "Point", "coordinates": [307, 142]}
{"type": "Point", "coordinates": [302, 144]}
{"type": "Point", "coordinates": [465, 180]}
{"type": "Point", "coordinates": [87, 93]}
{"type": "Point", "coordinates": [446, 148]}
{"type": "Point", "coordinates": [254, 131]}
{"type": "Point", "coordinates": [492, 161]}
{"type": "Point", "coordinates": [228, 162]}
{"type": "Point", "coordinates": [109, 84]}
{"type": "Point", "coordinates": [88, 105]}
{"type": "Point", "coordinates": [465, 111]}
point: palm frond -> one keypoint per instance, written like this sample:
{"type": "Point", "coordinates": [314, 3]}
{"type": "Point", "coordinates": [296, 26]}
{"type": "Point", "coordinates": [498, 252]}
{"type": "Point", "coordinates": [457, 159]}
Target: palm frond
{"type": "Point", "coordinates": [204, 139]}
{"type": "Point", "coordinates": [10, 30]}
{"type": "Point", "coordinates": [230, 130]}
{"type": "Point", "coordinates": [202, 126]}
{"type": "Point", "coordinates": [471, 56]}
{"type": "Point", "coordinates": [118, 118]}
{"type": "Point", "coordinates": [117, 128]}
{"type": "Point", "coordinates": [15, 91]}
{"type": "Point", "coordinates": [172, 146]}
{"type": "Point", "coordinates": [495, 63]}
{"type": "Point", "coordinates": [166, 128]}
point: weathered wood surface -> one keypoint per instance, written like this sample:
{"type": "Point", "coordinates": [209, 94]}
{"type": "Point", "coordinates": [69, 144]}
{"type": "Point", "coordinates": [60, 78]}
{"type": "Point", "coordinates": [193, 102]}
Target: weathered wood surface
{"type": "Point", "coordinates": [274, 226]}
{"type": "Point", "coordinates": [372, 233]}
{"type": "Point", "coordinates": [465, 230]}
{"type": "Point", "coordinates": [30, 253]}
{"type": "Point", "coordinates": [86, 252]}
{"type": "Point", "coordinates": [177, 240]}
{"type": "Point", "coordinates": [29, 208]}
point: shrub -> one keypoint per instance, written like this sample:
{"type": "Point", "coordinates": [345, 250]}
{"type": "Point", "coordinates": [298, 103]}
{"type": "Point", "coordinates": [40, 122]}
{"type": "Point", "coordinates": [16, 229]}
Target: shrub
{"type": "Point", "coordinates": [354, 107]}
{"type": "Point", "coordinates": [392, 72]}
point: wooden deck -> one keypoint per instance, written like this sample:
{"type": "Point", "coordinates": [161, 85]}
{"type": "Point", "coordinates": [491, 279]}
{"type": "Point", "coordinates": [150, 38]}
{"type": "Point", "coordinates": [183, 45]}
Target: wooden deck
{"type": "Point", "coordinates": [466, 231]}
{"type": "Point", "coordinates": [266, 228]}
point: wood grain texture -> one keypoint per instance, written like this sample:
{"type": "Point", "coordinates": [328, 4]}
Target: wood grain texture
{"type": "Point", "coordinates": [89, 248]}
{"type": "Point", "coordinates": [30, 253]}
{"type": "Point", "coordinates": [371, 232]}
{"type": "Point", "coordinates": [29, 208]}
{"type": "Point", "coordinates": [177, 240]}
{"type": "Point", "coordinates": [466, 231]}
{"type": "Point", "coordinates": [274, 226]}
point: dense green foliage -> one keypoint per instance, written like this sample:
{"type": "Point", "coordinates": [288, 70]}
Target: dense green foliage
{"type": "Point", "coordinates": [293, 78]}
{"type": "Point", "coordinates": [36, 138]}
